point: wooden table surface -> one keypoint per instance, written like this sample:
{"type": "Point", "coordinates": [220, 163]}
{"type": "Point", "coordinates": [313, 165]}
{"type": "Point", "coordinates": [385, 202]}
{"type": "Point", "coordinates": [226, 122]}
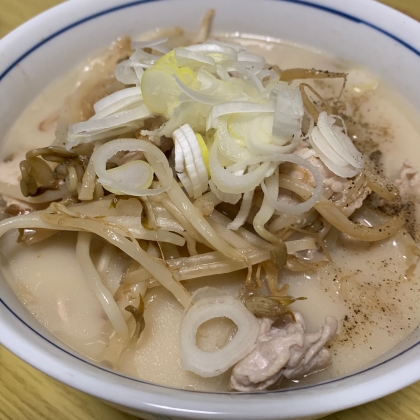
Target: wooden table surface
{"type": "Point", "coordinates": [26, 394]}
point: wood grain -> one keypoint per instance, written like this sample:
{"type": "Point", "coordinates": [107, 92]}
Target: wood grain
{"type": "Point", "coordinates": [27, 394]}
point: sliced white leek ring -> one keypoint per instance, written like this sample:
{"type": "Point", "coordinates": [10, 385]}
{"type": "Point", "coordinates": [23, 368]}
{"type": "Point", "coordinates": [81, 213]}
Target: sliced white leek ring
{"type": "Point", "coordinates": [199, 163]}
{"type": "Point", "coordinates": [217, 52]}
{"type": "Point", "coordinates": [117, 97]}
{"type": "Point", "coordinates": [186, 183]}
{"type": "Point", "coordinates": [226, 181]}
{"type": "Point", "coordinates": [289, 111]}
{"type": "Point", "coordinates": [159, 89]}
{"type": "Point", "coordinates": [225, 197]}
{"type": "Point", "coordinates": [237, 107]}
{"type": "Point", "coordinates": [189, 161]}
{"type": "Point", "coordinates": [209, 364]}
{"type": "Point", "coordinates": [192, 59]}
{"type": "Point", "coordinates": [135, 175]}
{"type": "Point", "coordinates": [189, 166]}
{"type": "Point", "coordinates": [320, 145]}
{"type": "Point", "coordinates": [133, 178]}
{"type": "Point", "coordinates": [228, 147]}
{"type": "Point", "coordinates": [260, 141]}
{"type": "Point", "coordinates": [339, 140]}
{"type": "Point", "coordinates": [139, 113]}
{"type": "Point", "coordinates": [335, 148]}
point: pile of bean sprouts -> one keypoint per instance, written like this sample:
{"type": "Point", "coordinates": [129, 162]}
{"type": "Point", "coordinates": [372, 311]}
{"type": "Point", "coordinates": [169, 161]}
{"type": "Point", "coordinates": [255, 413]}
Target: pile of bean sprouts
{"type": "Point", "coordinates": [194, 161]}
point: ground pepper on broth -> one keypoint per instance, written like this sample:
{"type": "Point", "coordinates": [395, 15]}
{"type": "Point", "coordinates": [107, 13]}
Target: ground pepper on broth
{"type": "Point", "coordinates": [369, 287]}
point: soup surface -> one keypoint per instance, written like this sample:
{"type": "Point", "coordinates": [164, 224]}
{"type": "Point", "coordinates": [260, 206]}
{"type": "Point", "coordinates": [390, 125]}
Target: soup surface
{"type": "Point", "coordinates": [370, 287]}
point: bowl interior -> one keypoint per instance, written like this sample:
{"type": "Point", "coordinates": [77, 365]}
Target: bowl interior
{"type": "Point", "coordinates": [378, 38]}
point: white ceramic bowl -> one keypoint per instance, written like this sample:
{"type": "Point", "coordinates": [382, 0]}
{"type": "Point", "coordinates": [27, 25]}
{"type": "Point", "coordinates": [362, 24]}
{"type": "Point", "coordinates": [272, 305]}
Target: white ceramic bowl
{"type": "Point", "coordinates": [46, 47]}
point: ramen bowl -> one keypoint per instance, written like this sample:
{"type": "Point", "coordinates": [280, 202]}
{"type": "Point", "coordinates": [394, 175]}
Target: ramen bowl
{"type": "Point", "coordinates": [45, 48]}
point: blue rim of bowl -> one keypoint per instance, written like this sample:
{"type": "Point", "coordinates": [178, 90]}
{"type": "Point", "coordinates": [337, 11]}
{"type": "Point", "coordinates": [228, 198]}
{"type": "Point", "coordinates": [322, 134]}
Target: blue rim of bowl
{"type": "Point", "coordinates": [137, 3]}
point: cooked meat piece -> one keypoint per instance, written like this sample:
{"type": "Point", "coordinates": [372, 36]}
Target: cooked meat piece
{"type": "Point", "coordinates": [287, 352]}
{"type": "Point", "coordinates": [409, 181]}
